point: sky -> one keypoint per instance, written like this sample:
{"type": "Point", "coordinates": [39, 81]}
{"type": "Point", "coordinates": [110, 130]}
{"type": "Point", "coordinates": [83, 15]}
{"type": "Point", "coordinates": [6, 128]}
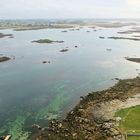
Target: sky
{"type": "Point", "coordinates": [50, 9]}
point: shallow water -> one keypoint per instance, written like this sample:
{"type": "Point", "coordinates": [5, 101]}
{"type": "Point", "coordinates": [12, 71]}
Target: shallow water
{"type": "Point", "coordinates": [33, 92]}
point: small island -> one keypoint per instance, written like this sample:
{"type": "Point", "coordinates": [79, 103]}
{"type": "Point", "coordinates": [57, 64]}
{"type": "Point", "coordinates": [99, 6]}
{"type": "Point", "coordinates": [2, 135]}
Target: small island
{"type": "Point", "coordinates": [6, 35]}
{"type": "Point", "coordinates": [4, 58]}
{"type": "Point", "coordinates": [126, 38]}
{"type": "Point", "coordinates": [129, 31]}
{"type": "Point", "coordinates": [47, 41]}
{"type": "Point", "coordinates": [64, 31]}
{"type": "Point", "coordinates": [137, 60]}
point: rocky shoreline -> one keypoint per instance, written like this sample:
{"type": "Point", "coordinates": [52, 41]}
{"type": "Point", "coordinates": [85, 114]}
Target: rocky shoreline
{"type": "Point", "coordinates": [93, 118]}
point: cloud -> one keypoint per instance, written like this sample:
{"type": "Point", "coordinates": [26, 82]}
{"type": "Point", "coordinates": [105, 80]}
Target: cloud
{"type": "Point", "coordinates": [133, 2]}
{"type": "Point", "coordinates": [69, 8]}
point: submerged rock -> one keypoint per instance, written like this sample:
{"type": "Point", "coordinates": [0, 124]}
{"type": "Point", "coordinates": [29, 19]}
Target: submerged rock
{"type": "Point", "coordinates": [64, 31]}
{"type": "Point", "coordinates": [101, 37]}
{"type": "Point", "coordinates": [64, 50]}
{"type": "Point", "coordinates": [109, 49]}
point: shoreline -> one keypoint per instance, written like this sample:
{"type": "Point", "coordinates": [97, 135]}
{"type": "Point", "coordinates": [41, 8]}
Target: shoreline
{"type": "Point", "coordinates": [94, 117]}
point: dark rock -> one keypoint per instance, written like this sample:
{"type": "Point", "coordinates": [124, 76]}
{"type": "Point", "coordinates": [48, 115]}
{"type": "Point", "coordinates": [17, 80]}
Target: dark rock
{"type": "Point", "coordinates": [4, 58]}
{"type": "Point", "coordinates": [101, 37]}
{"type": "Point", "coordinates": [64, 50]}
{"type": "Point", "coordinates": [46, 62]}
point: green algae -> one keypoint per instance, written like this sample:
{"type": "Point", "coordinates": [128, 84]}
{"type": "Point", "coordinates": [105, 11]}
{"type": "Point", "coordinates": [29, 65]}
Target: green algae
{"type": "Point", "coordinates": [53, 109]}
{"type": "Point", "coordinates": [15, 128]}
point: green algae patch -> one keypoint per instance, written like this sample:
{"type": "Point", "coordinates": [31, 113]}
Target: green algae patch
{"type": "Point", "coordinates": [15, 128]}
{"type": "Point", "coordinates": [53, 109]}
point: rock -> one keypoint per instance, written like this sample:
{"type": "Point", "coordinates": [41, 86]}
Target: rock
{"type": "Point", "coordinates": [117, 79]}
{"type": "Point", "coordinates": [81, 97]}
{"type": "Point", "coordinates": [66, 135]}
{"type": "Point", "coordinates": [114, 132]}
{"type": "Point", "coordinates": [37, 126]}
{"type": "Point", "coordinates": [118, 119]}
{"type": "Point", "coordinates": [81, 111]}
{"type": "Point", "coordinates": [8, 137]}
{"type": "Point", "coordinates": [130, 83]}
{"type": "Point", "coordinates": [60, 125]}
{"type": "Point", "coordinates": [44, 62]}
{"type": "Point", "coordinates": [74, 134]}
{"type": "Point", "coordinates": [106, 125]}
{"type": "Point", "coordinates": [64, 50]}
{"type": "Point", "coordinates": [4, 58]}
{"type": "Point", "coordinates": [71, 112]}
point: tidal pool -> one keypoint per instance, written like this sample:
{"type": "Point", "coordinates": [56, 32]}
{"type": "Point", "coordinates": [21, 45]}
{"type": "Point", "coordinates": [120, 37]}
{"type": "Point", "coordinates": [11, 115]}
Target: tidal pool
{"type": "Point", "coordinates": [32, 92]}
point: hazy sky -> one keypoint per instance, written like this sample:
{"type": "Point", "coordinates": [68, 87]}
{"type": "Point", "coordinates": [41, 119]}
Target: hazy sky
{"type": "Point", "coordinates": [69, 9]}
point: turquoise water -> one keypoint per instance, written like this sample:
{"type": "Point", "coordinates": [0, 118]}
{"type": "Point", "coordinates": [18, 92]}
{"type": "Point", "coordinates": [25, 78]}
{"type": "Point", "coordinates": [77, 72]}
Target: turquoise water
{"type": "Point", "coordinates": [33, 92]}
